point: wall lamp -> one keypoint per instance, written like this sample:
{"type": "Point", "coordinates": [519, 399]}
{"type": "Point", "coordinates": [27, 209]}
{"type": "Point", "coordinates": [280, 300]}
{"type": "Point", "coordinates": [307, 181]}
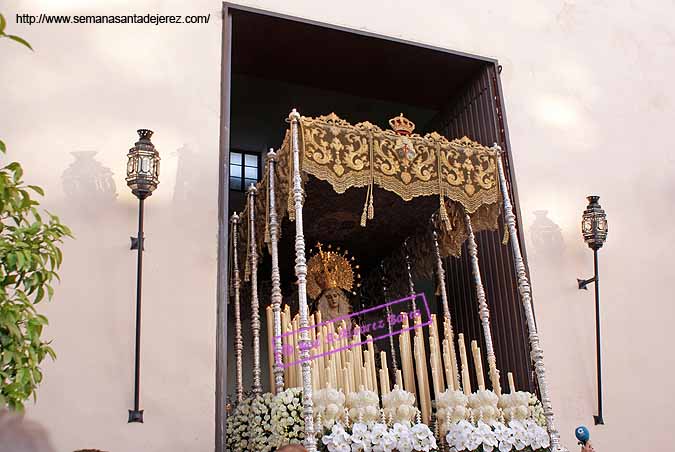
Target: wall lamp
{"type": "Point", "coordinates": [594, 230]}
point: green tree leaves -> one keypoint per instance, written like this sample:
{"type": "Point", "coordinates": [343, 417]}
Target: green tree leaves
{"type": "Point", "coordinates": [3, 25]}
{"type": "Point", "coordinates": [30, 255]}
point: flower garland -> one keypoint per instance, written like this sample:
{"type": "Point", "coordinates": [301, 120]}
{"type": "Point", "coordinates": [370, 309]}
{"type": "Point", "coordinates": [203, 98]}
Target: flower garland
{"type": "Point", "coordinates": [516, 436]}
{"type": "Point", "coordinates": [378, 437]}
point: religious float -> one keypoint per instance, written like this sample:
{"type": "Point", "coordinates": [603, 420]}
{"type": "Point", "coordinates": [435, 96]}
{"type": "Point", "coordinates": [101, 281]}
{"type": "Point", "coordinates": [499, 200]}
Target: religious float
{"type": "Point", "coordinates": [358, 358]}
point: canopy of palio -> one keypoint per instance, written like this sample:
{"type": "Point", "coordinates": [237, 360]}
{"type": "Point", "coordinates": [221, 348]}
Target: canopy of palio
{"type": "Point", "coordinates": [369, 189]}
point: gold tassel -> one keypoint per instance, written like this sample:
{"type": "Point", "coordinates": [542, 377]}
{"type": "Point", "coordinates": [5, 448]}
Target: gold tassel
{"type": "Point", "coordinates": [371, 209]}
{"type": "Point", "coordinates": [291, 206]}
{"type": "Point", "coordinates": [444, 214]}
{"type": "Point", "coordinates": [505, 240]}
{"type": "Point", "coordinates": [365, 213]}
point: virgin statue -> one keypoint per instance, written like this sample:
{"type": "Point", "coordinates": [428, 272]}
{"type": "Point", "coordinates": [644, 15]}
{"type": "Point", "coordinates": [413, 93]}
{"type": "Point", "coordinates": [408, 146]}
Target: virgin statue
{"type": "Point", "coordinates": [330, 278]}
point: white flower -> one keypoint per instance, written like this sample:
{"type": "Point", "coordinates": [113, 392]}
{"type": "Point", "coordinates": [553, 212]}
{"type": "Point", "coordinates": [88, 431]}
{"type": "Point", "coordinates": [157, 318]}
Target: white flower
{"type": "Point", "coordinates": [363, 406]}
{"type": "Point", "coordinates": [338, 440]}
{"type": "Point", "coordinates": [399, 406]}
{"type": "Point", "coordinates": [288, 424]}
{"type": "Point", "coordinates": [423, 438]}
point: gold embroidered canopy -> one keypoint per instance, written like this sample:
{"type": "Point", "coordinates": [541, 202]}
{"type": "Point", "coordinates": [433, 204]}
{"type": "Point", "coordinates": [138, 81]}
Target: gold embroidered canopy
{"type": "Point", "coordinates": [461, 172]}
{"type": "Point", "coordinates": [398, 160]}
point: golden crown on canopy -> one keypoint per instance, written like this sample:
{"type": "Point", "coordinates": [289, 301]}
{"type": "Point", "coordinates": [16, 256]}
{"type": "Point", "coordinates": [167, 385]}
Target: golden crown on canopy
{"type": "Point", "coordinates": [330, 269]}
{"type": "Point", "coordinates": [402, 125]}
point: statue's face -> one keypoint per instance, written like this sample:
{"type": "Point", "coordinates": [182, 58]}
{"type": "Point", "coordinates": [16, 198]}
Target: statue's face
{"type": "Point", "coordinates": [333, 297]}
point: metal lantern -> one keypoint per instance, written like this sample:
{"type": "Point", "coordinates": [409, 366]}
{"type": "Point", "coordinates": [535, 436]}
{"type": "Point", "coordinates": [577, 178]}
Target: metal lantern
{"type": "Point", "coordinates": [143, 166]}
{"type": "Point", "coordinates": [142, 178]}
{"type": "Point", "coordinates": [594, 230]}
{"type": "Point", "coordinates": [594, 224]}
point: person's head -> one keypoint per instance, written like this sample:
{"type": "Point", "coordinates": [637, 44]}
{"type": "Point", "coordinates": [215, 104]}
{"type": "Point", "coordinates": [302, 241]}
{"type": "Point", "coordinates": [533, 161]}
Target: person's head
{"type": "Point", "coordinates": [18, 434]}
{"type": "Point", "coordinates": [292, 448]}
{"type": "Point", "coordinates": [334, 297]}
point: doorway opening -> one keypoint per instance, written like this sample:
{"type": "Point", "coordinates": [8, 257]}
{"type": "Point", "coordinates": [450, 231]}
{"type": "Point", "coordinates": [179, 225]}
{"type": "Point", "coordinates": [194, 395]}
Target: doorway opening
{"type": "Point", "coordinates": [274, 63]}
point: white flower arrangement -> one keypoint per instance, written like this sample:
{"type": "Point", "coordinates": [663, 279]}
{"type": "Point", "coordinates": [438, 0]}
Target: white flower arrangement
{"type": "Point", "coordinates": [363, 406]}
{"type": "Point", "coordinates": [399, 406]}
{"type": "Point", "coordinates": [452, 406]}
{"type": "Point", "coordinates": [516, 436]}
{"type": "Point", "coordinates": [260, 423]}
{"type": "Point", "coordinates": [515, 405]}
{"type": "Point", "coordinates": [483, 404]}
{"type": "Point", "coordinates": [536, 410]}
{"type": "Point", "coordinates": [378, 437]}
{"type": "Point", "coordinates": [288, 426]}
{"type": "Point", "coordinates": [238, 426]}
{"type": "Point", "coordinates": [329, 406]}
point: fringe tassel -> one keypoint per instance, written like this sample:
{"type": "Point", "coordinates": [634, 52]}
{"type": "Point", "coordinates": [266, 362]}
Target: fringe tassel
{"type": "Point", "coordinates": [366, 214]}
{"type": "Point", "coordinates": [291, 206]}
{"type": "Point", "coordinates": [371, 209]}
{"type": "Point", "coordinates": [505, 240]}
{"type": "Point", "coordinates": [444, 214]}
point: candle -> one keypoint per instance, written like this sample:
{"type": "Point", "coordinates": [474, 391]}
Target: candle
{"type": "Point", "coordinates": [453, 355]}
{"type": "Point", "coordinates": [447, 363]}
{"type": "Point", "coordinates": [371, 354]}
{"type": "Point", "coordinates": [399, 379]}
{"type": "Point", "coordinates": [406, 356]}
{"type": "Point", "coordinates": [435, 352]}
{"type": "Point", "coordinates": [383, 383]}
{"type": "Point", "coordinates": [345, 378]}
{"type": "Point", "coordinates": [478, 364]}
{"type": "Point", "coordinates": [466, 383]}
{"type": "Point", "coordinates": [512, 384]}
{"type": "Point", "coordinates": [424, 407]}
{"type": "Point", "coordinates": [419, 336]}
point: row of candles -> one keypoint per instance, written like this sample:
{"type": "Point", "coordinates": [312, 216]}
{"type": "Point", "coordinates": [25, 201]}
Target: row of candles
{"type": "Point", "coordinates": [338, 361]}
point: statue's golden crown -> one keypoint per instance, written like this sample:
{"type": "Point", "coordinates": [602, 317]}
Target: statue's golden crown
{"type": "Point", "coordinates": [402, 125]}
{"type": "Point", "coordinates": [329, 269]}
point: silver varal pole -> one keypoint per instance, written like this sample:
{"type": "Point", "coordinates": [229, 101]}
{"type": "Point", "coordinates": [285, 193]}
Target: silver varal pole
{"type": "Point", "coordinates": [238, 343]}
{"type": "Point", "coordinates": [255, 308]}
{"type": "Point", "coordinates": [536, 353]}
{"type": "Point", "coordinates": [301, 273]}
{"type": "Point", "coordinates": [483, 310]}
{"type": "Point", "coordinates": [276, 280]}
{"type": "Point", "coordinates": [389, 316]}
{"type": "Point", "coordinates": [449, 333]}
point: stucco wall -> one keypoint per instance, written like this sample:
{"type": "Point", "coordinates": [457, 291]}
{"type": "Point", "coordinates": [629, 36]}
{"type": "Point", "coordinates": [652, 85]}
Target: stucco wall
{"type": "Point", "coordinates": [589, 104]}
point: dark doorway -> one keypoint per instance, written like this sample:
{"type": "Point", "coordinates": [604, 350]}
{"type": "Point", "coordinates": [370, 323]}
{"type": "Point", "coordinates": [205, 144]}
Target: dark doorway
{"type": "Point", "coordinates": [273, 63]}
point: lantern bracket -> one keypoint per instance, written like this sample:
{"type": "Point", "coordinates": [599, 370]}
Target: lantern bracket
{"type": "Point", "coordinates": [134, 243]}
{"type": "Point", "coordinates": [583, 283]}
